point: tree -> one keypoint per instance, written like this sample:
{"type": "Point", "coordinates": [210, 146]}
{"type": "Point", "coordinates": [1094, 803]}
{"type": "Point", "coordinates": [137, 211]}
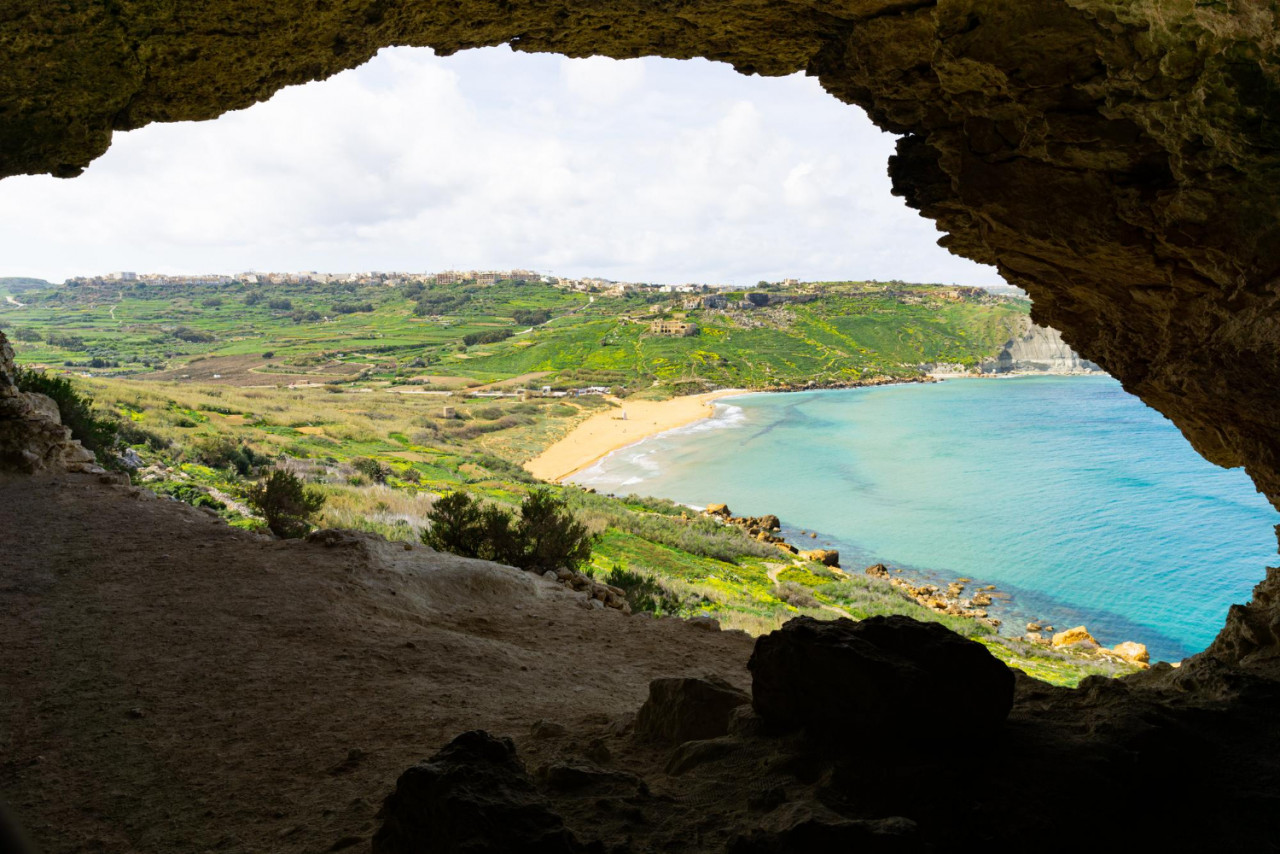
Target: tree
{"type": "Point", "coordinates": [546, 537]}
{"type": "Point", "coordinates": [285, 504]}
{"type": "Point", "coordinates": [550, 536]}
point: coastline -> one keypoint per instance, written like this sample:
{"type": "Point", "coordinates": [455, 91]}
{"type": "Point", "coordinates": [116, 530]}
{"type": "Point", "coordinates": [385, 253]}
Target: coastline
{"type": "Point", "coordinates": [606, 432]}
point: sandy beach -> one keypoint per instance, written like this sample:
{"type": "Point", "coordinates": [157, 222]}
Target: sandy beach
{"type": "Point", "coordinates": [608, 431]}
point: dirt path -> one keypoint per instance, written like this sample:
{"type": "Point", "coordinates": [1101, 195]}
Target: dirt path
{"type": "Point", "coordinates": [172, 684]}
{"type": "Point", "coordinates": [9, 299]}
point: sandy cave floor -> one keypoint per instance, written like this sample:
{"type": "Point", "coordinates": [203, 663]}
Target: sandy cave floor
{"type": "Point", "coordinates": [172, 684]}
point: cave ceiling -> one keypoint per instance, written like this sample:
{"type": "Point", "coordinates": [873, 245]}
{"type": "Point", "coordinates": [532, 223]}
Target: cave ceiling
{"type": "Point", "coordinates": [1118, 159]}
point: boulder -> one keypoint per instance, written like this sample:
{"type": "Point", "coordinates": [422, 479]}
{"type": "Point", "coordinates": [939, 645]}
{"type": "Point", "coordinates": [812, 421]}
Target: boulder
{"type": "Point", "coordinates": [1133, 652]}
{"type": "Point", "coordinates": [688, 709]}
{"type": "Point", "coordinates": [721, 510]}
{"type": "Point", "coordinates": [892, 674]}
{"type": "Point", "coordinates": [878, 570]}
{"type": "Point", "coordinates": [826, 557]}
{"type": "Point", "coordinates": [770, 522]}
{"type": "Point", "coordinates": [981, 600]}
{"type": "Point", "coordinates": [1078, 635]}
{"type": "Point", "coordinates": [474, 795]}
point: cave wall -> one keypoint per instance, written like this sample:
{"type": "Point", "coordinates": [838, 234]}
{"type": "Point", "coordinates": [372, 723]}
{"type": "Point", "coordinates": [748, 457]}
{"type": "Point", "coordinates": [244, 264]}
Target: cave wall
{"type": "Point", "coordinates": [1115, 158]}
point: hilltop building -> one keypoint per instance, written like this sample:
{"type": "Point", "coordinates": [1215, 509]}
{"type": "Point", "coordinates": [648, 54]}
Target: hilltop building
{"type": "Point", "coordinates": [674, 328]}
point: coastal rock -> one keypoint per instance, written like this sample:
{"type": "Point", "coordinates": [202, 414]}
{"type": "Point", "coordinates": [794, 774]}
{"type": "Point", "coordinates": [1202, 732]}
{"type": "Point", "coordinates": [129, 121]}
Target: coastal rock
{"type": "Point", "coordinates": [721, 510]}
{"type": "Point", "coordinates": [826, 557]}
{"type": "Point", "coordinates": [892, 674]}
{"type": "Point", "coordinates": [981, 600]}
{"type": "Point", "coordinates": [770, 522]}
{"type": "Point", "coordinates": [878, 570]}
{"type": "Point", "coordinates": [1077, 636]}
{"type": "Point", "coordinates": [688, 709]}
{"type": "Point", "coordinates": [473, 795]}
{"type": "Point", "coordinates": [1133, 652]}
{"type": "Point", "coordinates": [1037, 349]}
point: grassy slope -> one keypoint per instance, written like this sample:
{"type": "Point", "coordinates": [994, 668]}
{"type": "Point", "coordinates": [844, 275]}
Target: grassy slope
{"type": "Point", "coordinates": [366, 356]}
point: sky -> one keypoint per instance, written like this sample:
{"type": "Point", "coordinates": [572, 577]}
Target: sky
{"type": "Point", "coordinates": [646, 170]}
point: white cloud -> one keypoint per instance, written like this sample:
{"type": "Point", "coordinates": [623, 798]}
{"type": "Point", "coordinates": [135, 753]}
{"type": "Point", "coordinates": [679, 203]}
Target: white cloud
{"type": "Point", "coordinates": [645, 169]}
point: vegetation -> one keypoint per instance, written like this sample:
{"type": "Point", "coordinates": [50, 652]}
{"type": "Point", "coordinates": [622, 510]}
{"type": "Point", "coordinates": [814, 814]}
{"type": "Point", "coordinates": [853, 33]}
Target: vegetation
{"type": "Point", "coordinates": [352, 406]}
{"type": "Point", "coordinates": [96, 431]}
{"type": "Point", "coordinates": [287, 506]}
{"type": "Point", "coordinates": [545, 537]}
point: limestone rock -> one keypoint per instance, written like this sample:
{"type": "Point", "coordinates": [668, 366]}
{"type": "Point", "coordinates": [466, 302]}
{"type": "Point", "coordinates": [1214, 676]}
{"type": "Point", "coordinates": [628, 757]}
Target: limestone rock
{"type": "Point", "coordinates": [1071, 637]}
{"type": "Point", "coordinates": [878, 570]}
{"type": "Point", "coordinates": [892, 674]}
{"type": "Point", "coordinates": [826, 557]}
{"type": "Point", "coordinates": [474, 795]}
{"type": "Point", "coordinates": [721, 510]}
{"type": "Point", "coordinates": [32, 437]}
{"type": "Point", "coordinates": [1132, 651]}
{"type": "Point", "coordinates": [688, 709]}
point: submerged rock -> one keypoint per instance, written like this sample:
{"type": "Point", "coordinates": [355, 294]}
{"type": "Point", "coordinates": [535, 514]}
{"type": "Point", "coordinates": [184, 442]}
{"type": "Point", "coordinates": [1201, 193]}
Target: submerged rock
{"type": "Point", "coordinates": [891, 673]}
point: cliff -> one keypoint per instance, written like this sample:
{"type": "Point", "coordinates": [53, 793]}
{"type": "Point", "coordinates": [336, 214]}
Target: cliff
{"type": "Point", "coordinates": [1038, 349]}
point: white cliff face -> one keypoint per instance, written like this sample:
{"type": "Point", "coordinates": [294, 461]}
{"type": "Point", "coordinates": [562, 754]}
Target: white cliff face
{"type": "Point", "coordinates": [1037, 349]}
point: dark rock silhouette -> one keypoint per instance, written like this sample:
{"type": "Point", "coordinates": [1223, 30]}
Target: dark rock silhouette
{"type": "Point", "coordinates": [892, 674]}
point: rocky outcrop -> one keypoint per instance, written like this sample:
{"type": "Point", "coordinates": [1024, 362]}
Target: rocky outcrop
{"type": "Point", "coordinates": [473, 795]}
{"type": "Point", "coordinates": [688, 709]}
{"type": "Point", "coordinates": [32, 437]}
{"type": "Point", "coordinates": [1037, 349]}
{"type": "Point", "coordinates": [892, 674]}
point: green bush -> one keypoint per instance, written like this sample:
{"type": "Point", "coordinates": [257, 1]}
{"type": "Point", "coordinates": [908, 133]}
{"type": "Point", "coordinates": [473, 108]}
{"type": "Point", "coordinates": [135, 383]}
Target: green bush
{"type": "Point", "coordinates": [224, 452]}
{"type": "Point", "coordinates": [545, 537]}
{"type": "Point", "coordinates": [97, 432]}
{"type": "Point", "coordinates": [644, 593]}
{"type": "Point", "coordinates": [370, 468]}
{"type": "Point", "coordinates": [285, 504]}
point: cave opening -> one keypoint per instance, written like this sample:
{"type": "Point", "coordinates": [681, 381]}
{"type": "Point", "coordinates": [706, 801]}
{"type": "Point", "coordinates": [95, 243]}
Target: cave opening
{"type": "Point", "coordinates": [682, 143]}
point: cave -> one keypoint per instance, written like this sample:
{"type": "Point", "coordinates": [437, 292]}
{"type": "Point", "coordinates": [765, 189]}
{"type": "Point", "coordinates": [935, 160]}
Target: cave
{"type": "Point", "coordinates": [1117, 160]}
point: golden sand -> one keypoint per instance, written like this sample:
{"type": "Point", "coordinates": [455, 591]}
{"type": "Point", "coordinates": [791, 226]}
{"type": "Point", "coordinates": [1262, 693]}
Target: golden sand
{"type": "Point", "coordinates": [616, 428]}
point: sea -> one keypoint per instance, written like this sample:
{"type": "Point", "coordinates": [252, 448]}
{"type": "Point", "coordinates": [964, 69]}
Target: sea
{"type": "Point", "coordinates": [1080, 503]}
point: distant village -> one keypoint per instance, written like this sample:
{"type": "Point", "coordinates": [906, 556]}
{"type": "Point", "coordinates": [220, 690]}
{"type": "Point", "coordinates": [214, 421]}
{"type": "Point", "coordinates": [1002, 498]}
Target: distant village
{"type": "Point", "coordinates": [593, 285]}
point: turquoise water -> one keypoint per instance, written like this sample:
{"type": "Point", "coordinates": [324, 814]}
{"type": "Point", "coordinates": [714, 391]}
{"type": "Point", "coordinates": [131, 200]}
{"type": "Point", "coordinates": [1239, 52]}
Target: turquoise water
{"type": "Point", "coordinates": [1068, 493]}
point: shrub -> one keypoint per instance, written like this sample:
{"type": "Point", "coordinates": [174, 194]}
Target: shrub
{"type": "Point", "coordinates": [370, 468]}
{"type": "Point", "coordinates": [643, 593]}
{"type": "Point", "coordinates": [796, 595]}
{"type": "Point", "coordinates": [492, 336]}
{"type": "Point", "coordinates": [24, 333]}
{"type": "Point", "coordinates": [226, 453]}
{"type": "Point", "coordinates": [285, 504]}
{"type": "Point", "coordinates": [95, 432]}
{"type": "Point", "coordinates": [184, 333]}
{"type": "Point", "coordinates": [545, 537]}
{"type": "Point", "coordinates": [280, 304]}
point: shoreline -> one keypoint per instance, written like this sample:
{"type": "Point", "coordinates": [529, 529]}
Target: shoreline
{"type": "Point", "coordinates": [603, 433]}
{"type": "Point", "coordinates": [606, 432]}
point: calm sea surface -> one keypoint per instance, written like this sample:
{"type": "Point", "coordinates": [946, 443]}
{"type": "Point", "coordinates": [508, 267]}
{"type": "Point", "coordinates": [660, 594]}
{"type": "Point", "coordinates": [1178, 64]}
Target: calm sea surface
{"type": "Point", "coordinates": [1072, 496]}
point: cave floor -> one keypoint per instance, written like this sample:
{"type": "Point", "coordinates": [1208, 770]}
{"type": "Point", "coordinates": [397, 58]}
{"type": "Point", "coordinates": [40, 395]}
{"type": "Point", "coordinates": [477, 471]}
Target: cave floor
{"type": "Point", "coordinates": [173, 684]}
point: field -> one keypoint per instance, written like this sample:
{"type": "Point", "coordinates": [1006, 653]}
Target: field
{"type": "Point", "coordinates": [385, 397]}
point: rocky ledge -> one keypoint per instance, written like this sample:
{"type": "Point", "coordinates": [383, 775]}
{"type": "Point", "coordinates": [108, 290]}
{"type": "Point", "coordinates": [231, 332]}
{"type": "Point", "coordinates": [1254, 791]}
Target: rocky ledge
{"type": "Point", "coordinates": [32, 437]}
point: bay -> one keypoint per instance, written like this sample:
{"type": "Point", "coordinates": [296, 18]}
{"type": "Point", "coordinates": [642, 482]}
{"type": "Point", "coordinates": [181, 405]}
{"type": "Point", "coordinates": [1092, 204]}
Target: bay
{"type": "Point", "coordinates": [1073, 497]}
